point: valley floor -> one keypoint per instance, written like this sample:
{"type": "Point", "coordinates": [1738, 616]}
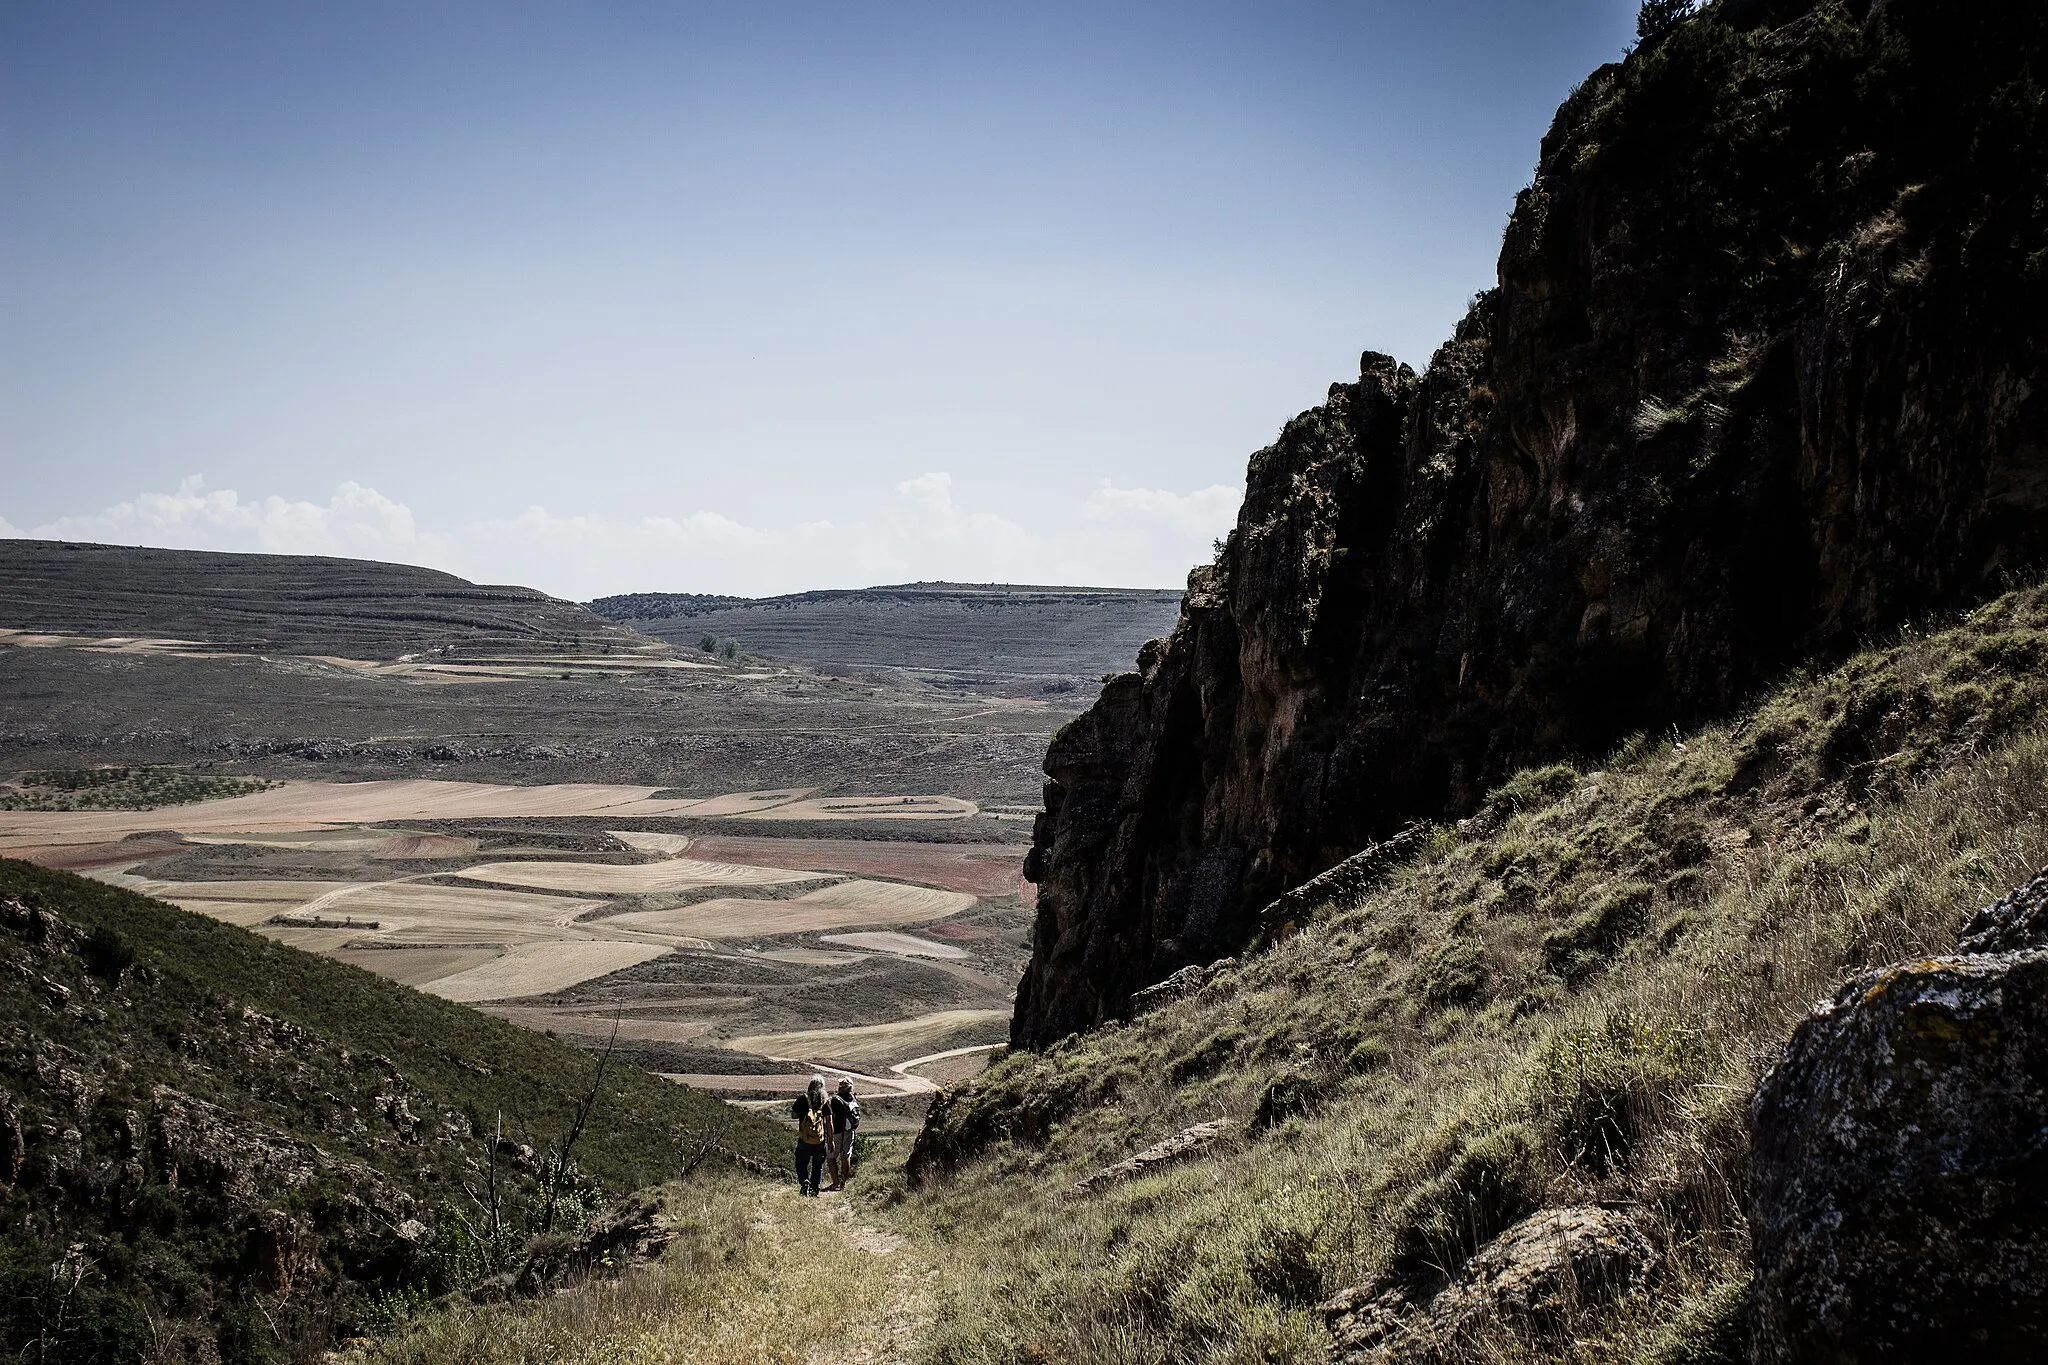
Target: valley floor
{"type": "Point", "coordinates": [734, 962]}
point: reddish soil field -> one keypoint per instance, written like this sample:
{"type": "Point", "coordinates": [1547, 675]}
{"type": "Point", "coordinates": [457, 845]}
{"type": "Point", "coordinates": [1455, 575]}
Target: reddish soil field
{"type": "Point", "coordinates": [978, 869]}
{"type": "Point", "coordinates": [86, 857]}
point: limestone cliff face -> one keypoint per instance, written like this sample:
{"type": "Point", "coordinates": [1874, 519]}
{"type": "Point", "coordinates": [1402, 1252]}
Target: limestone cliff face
{"type": "Point", "coordinates": [1762, 374]}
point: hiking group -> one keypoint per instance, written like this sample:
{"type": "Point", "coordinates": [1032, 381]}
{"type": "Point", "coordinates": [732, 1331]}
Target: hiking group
{"type": "Point", "coordinates": [824, 1134]}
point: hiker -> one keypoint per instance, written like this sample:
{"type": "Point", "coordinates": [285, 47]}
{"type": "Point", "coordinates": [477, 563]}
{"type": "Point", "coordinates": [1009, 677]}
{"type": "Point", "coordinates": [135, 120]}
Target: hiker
{"type": "Point", "coordinates": [845, 1118]}
{"type": "Point", "coordinates": [813, 1134]}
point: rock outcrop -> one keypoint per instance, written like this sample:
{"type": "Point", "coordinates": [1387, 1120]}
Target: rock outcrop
{"type": "Point", "coordinates": [1762, 373]}
{"type": "Point", "coordinates": [1179, 1147]}
{"type": "Point", "coordinates": [1899, 1194]}
{"type": "Point", "coordinates": [1538, 1274]}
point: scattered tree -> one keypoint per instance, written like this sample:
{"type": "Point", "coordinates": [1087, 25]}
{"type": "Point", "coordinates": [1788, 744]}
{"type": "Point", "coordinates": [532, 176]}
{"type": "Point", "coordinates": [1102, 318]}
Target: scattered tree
{"type": "Point", "coordinates": [1658, 17]}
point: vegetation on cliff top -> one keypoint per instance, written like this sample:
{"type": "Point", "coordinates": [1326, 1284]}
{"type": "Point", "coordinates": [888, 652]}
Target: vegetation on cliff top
{"type": "Point", "coordinates": [1567, 1001]}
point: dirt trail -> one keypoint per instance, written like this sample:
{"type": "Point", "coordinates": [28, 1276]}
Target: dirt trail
{"type": "Point", "coordinates": [887, 1332]}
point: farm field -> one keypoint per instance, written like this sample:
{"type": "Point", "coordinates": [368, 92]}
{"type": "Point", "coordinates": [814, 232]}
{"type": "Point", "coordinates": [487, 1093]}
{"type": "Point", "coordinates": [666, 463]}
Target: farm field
{"type": "Point", "coordinates": [777, 955]}
{"type": "Point", "coordinates": [903, 944]}
{"type": "Point", "coordinates": [832, 907]}
{"type": "Point", "coordinates": [882, 1044]}
{"type": "Point", "coordinates": [295, 814]}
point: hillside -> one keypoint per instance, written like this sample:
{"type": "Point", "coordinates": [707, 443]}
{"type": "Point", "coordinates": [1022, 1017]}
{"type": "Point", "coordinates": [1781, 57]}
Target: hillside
{"type": "Point", "coordinates": [299, 604]}
{"type": "Point", "coordinates": [287, 666]}
{"type": "Point", "coordinates": [209, 1138]}
{"type": "Point", "coordinates": [1761, 376]}
{"type": "Point", "coordinates": [1031, 641]}
{"type": "Point", "coordinates": [1538, 1031]}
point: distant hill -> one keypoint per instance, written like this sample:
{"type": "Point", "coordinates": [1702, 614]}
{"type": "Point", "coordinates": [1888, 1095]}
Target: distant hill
{"type": "Point", "coordinates": [196, 1118]}
{"type": "Point", "coordinates": [976, 635]}
{"type": "Point", "coordinates": [303, 604]}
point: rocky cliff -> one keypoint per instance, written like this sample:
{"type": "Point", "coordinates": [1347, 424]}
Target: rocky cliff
{"type": "Point", "coordinates": [1762, 374]}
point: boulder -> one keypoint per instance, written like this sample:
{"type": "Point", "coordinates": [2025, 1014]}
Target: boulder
{"type": "Point", "coordinates": [1899, 1177]}
{"type": "Point", "coordinates": [1535, 1275]}
{"type": "Point", "coordinates": [1178, 986]}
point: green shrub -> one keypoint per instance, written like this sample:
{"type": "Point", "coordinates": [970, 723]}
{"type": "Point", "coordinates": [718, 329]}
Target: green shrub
{"type": "Point", "coordinates": [1287, 1094]}
{"type": "Point", "coordinates": [106, 953]}
{"type": "Point", "coordinates": [1284, 1259]}
{"type": "Point", "coordinates": [1454, 975]}
{"type": "Point", "coordinates": [1532, 789]}
{"type": "Point", "coordinates": [1487, 1185]}
{"type": "Point", "coordinates": [1710, 1328]}
{"type": "Point", "coordinates": [50, 1317]}
{"type": "Point", "coordinates": [1582, 944]}
{"type": "Point", "coordinates": [1601, 1089]}
{"type": "Point", "coordinates": [1368, 1055]}
{"type": "Point", "coordinates": [1658, 17]}
{"type": "Point", "coordinates": [1206, 1056]}
{"type": "Point", "coordinates": [244, 1337]}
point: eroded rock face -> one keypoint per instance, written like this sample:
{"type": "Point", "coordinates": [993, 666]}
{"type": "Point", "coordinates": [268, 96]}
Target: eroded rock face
{"type": "Point", "coordinates": [1759, 378]}
{"type": "Point", "coordinates": [1899, 1200]}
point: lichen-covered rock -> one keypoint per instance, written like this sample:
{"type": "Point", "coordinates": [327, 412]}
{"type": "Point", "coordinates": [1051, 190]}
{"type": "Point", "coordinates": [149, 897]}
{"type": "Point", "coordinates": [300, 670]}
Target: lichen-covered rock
{"type": "Point", "coordinates": [2014, 922]}
{"type": "Point", "coordinates": [1545, 1267]}
{"type": "Point", "coordinates": [1536, 1275]}
{"type": "Point", "coordinates": [1899, 1167]}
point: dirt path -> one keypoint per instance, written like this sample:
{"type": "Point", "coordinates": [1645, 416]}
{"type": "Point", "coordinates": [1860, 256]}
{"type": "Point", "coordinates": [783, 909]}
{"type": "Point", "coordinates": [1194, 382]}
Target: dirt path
{"type": "Point", "coordinates": [890, 1335]}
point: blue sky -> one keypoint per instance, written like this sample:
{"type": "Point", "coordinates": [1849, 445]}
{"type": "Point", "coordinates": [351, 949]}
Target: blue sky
{"type": "Point", "coordinates": [608, 297]}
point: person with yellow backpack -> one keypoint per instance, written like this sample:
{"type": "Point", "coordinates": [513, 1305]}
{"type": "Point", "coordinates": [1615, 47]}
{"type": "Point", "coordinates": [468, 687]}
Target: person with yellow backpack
{"type": "Point", "coordinates": [813, 1134]}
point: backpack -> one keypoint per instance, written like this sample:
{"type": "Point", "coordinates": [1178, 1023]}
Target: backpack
{"type": "Point", "coordinates": [852, 1115]}
{"type": "Point", "coordinates": [810, 1125]}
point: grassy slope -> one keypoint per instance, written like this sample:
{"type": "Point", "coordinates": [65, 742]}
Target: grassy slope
{"type": "Point", "coordinates": [183, 1211]}
{"type": "Point", "coordinates": [465, 1059]}
{"type": "Point", "coordinates": [1568, 1001]}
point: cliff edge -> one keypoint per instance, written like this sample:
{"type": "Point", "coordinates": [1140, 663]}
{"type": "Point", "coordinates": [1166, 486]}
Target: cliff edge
{"type": "Point", "coordinates": [1762, 374]}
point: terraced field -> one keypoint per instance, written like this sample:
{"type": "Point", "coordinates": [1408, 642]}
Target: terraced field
{"type": "Point", "coordinates": [774, 957]}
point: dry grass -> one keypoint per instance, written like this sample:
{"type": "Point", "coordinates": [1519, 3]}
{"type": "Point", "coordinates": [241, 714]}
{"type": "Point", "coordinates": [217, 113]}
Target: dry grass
{"type": "Point", "coordinates": [756, 1277]}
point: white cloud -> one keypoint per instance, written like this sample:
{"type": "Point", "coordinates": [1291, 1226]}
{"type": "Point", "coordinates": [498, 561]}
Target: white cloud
{"type": "Point", "coordinates": [356, 521]}
{"type": "Point", "coordinates": [1138, 536]}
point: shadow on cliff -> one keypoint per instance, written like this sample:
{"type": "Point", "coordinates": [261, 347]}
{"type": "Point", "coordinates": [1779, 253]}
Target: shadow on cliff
{"type": "Point", "coordinates": [1761, 376]}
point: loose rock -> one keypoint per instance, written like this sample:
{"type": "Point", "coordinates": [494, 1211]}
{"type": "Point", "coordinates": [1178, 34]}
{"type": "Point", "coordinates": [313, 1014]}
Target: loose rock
{"type": "Point", "coordinates": [1182, 1144]}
